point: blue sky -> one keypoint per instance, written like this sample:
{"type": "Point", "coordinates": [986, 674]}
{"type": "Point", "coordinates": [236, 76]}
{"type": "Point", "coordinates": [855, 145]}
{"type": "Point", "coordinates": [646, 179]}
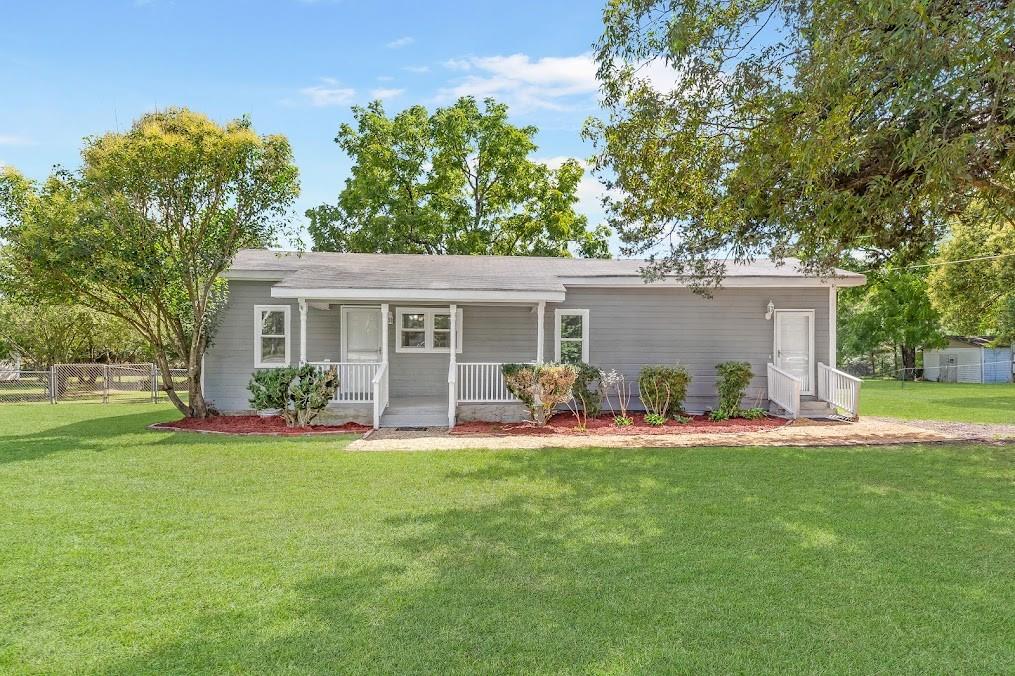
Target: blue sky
{"type": "Point", "coordinates": [71, 69]}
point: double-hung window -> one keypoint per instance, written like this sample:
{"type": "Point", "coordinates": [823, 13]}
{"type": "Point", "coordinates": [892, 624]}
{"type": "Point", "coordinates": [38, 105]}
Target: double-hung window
{"type": "Point", "coordinates": [271, 336]}
{"type": "Point", "coordinates": [425, 330]}
{"type": "Point", "coordinates": [571, 336]}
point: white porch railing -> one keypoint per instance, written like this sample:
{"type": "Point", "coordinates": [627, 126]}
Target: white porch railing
{"type": "Point", "coordinates": [482, 382]}
{"type": "Point", "coordinates": [784, 390]}
{"type": "Point", "coordinates": [380, 392]}
{"type": "Point", "coordinates": [839, 389]}
{"type": "Point", "coordinates": [355, 380]}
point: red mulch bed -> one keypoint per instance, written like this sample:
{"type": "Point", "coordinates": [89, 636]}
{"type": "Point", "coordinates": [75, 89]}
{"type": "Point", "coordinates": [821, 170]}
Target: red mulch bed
{"type": "Point", "coordinates": [255, 424]}
{"type": "Point", "coordinates": [567, 424]}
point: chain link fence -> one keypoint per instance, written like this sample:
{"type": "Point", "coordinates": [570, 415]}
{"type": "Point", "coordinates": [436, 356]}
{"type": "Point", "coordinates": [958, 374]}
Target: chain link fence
{"type": "Point", "coordinates": [105, 383]}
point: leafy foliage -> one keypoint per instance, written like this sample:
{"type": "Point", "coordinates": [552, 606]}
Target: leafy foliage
{"type": "Point", "coordinates": [802, 128]}
{"type": "Point", "coordinates": [663, 389]}
{"type": "Point", "coordinates": [144, 230]}
{"type": "Point", "coordinates": [734, 378]}
{"type": "Point", "coordinates": [655, 419]}
{"type": "Point", "coordinates": [540, 387]}
{"type": "Point", "coordinates": [299, 393]}
{"type": "Point", "coordinates": [892, 309]}
{"type": "Point", "coordinates": [43, 335]}
{"type": "Point", "coordinates": [977, 297]}
{"type": "Point", "coordinates": [588, 389]}
{"type": "Point", "coordinates": [623, 420]}
{"type": "Point", "coordinates": [459, 181]}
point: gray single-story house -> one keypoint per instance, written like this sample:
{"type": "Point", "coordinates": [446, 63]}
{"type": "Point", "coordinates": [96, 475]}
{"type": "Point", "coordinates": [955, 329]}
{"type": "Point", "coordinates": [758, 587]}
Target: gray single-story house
{"type": "Point", "coordinates": [969, 359]}
{"type": "Point", "coordinates": [420, 340]}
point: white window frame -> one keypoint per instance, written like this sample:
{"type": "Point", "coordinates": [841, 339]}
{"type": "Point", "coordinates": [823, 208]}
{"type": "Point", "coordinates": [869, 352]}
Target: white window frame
{"type": "Point", "coordinates": [258, 321]}
{"type": "Point", "coordinates": [428, 330]}
{"type": "Point", "coordinates": [584, 314]}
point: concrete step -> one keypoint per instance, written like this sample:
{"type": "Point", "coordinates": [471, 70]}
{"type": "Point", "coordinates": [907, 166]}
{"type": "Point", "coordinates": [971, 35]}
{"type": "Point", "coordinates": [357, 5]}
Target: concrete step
{"type": "Point", "coordinates": [809, 408]}
{"type": "Point", "coordinates": [414, 419]}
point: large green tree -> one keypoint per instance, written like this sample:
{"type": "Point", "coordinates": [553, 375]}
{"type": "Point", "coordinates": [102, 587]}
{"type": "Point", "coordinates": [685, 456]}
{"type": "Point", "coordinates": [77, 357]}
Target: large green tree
{"type": "Point", "coordinates": [458, 181]}
{"type": "Point", "coordinates": [802, 128]}
{"type": "Point", "coordinates": [145, 228]}
{"type": "Point", "coordinates": [891, 311]}
{"type": "Point", "coordinates": [973, 282]}
{"type": "Point", "coordinates": [43, 335]}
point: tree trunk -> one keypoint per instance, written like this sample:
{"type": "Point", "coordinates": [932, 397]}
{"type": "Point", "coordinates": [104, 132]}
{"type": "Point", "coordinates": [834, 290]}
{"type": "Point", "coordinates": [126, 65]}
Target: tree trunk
{"type": "Point", "coordinates": [908, 362]}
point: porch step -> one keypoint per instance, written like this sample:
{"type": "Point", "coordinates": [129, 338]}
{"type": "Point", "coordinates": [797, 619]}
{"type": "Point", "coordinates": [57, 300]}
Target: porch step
{"type": "Point", "coordinates": [809, 408]}
{"type": "Point", "coordinates": [415, 414]}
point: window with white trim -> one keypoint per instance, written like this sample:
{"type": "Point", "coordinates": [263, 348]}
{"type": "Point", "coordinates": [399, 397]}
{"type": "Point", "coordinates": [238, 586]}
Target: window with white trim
{"type": "Point", "coordinates": [571, 336]}
{"type": "Point", "coordinates": [425, 330]}
{"type": "Point", "coordinates": [271, 336]}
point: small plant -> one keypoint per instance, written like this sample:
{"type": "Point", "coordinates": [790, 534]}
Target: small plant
{"type": "Point", "coordinates": [655, 419]}
{"type": "Point", "coordinates": [734, 378]}
{"type": "Point", "coordinates": [662, 389]}
{"type": "Point", "coordinates": [753, 413]}
{"type": "Point", "coordinates": [298, 393]}
{"type": "Point", "coordinates": [541, 387]}
{"type": "Point", "coordinates": [682, 419]}
{"type": "Point", "coordinates": [588, 389]}
{"type": "Point", "coordinates": [615, 382]}
{"type": "Point", "coordinates": [622, 421]}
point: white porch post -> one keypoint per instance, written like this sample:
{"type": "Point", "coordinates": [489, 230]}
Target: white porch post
{"type": "Point", "coordinates": [303, 331]}
{"type": "Point", "coordinates": [540, 330]}
{"type": "Point", "coordinates": [384, 333]}
{"type": "Point", "coordinates": [453, 366]}
{"type": "Point", "coordinates": [832, 327]}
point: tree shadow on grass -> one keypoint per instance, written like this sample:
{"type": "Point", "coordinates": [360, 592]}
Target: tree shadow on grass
{"type": "Point", "coordinates": [640, 561]}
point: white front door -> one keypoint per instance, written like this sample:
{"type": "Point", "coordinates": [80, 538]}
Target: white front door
{"type": "Point", "coordinates": [361, 334]}
{"type": "Point", "coordinates": [794, 345]}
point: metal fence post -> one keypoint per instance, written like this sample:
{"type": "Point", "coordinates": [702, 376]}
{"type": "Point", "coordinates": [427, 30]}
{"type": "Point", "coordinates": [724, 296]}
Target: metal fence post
{"type": "Point", "coordinates": [105, 383]}
{"type": "Point", "coordinates": [52, 383]}
{"type": "Point", "coordinates": [155, 383]}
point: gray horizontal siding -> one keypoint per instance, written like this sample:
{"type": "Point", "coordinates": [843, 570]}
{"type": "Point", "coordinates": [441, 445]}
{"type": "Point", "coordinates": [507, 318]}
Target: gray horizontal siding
{"type": "Point", "coordinates": [635, 327]}
{"type": "Point", "coordinates": [629, 328]}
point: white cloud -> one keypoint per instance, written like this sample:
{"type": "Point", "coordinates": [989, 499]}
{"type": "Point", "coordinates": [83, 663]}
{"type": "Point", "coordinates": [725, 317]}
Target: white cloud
{"type": "Point", "coordinates": [418, 69]}
{"type": "Point", "coordinates": [524, 82]}
{"type": "Point", "coordinates": [404, 41]}
{"type": "Point", "coordinates": [15, 140]}
{"type": "Point", "coordinates": [329, 93]}
{"type": "Point", "coordinates": [386, 93]}
{"type": "Point", "coordinates": [384, 78]}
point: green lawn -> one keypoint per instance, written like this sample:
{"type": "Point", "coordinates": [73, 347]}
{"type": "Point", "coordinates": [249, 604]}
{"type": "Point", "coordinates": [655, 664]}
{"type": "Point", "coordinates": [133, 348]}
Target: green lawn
{"type": "Point", "coordinates": [123, 550]}
{"type": "Point", "coordinates": [960, 402]}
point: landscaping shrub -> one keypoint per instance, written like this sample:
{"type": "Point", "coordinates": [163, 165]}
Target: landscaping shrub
{"type": "Point", "coordinates": [734, 378]}
{"type": "Point", "coordinates": [662, 389]}
{"type": "Point", "coordinates": [540, 387]}
{"type": "Point", "coordinates": [298, 393]}
{"type": "Point", "coordinates": [588, 389]}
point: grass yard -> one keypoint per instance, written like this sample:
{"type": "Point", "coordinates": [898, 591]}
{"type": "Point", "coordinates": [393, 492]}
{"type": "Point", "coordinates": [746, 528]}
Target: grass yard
{"type": "Point", "coordinates": [959, 402]}
{"type": "Point", "coordinates": [126, 550]}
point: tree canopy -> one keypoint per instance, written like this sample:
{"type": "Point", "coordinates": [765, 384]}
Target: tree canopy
{"type": "Point", "coordinates": [803, 128]}
{"type": "Point", "coordinates": [458, 181]}
{"type": "Point", "coordinates": [973, 285]}
{"type": "Point", "coordinates": [145, 228]}
{"type": "Point", "coordinates": [43, 335]}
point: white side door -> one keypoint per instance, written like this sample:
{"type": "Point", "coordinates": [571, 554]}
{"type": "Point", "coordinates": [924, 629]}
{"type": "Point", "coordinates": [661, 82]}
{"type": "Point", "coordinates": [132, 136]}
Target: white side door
{"type": "Point", "coordinates": [361, 334]}
{"type": "Point", "coordinates": [794, 345]}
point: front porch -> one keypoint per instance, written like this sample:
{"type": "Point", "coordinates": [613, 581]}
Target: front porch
{"type": "Point", "coordinates": [404, 365]}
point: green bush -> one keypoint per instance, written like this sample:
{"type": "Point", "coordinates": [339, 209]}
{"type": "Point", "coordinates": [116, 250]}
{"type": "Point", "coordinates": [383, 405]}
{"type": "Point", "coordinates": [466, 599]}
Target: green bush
{"type": "Point", "coordinates": [588, 390]}
{"type": "Point", "coordinates": [622, 421]}
{"type": "Point", "coordinates": [734, 378]}
{"type": "Point", "coordinates": [662, 389]}
{"type": "Point", "coordinates": [298, 393]}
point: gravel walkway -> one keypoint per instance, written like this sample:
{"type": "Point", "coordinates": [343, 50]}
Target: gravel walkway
{"type": "Point", "coordinates": [867, 431]}
{"type": "Point", "coordinates": [961, 430]}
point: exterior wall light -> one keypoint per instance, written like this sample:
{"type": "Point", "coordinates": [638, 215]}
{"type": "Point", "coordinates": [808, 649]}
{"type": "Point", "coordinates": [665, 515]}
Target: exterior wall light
{"type": "Point", "coordinates": [770, 310]}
